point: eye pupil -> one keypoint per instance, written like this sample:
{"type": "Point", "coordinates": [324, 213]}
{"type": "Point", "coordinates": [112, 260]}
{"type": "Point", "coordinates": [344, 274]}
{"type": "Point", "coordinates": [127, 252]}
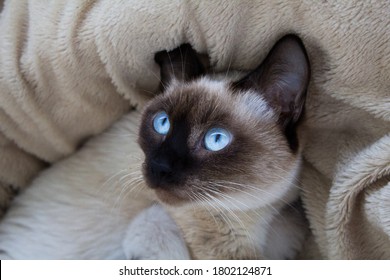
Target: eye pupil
{"type": "Point", "coordinates": [217, 137]}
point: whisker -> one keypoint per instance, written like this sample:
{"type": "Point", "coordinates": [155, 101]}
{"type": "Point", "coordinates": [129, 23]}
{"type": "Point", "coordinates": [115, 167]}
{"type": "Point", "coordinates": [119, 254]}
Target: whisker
{"type": "Point", "coordinates": [270, 207]}
{"type": "Point", "coordinates": [292, 182]}
{"type": "Point", "coordinates": [240, 187]}
{"type": "Point", "coordinates": [229, 65]}
{"type": "Point", "coordinates": [137, 188]}
{"type": "Point", "coordinates": [149, 91]}
{"type": "Point", "coordinates": [104, 188]}
{"type": "Point", "coordinates": [182, 65]}
{"type": "Point", "coordinates": [209, 200]}
{"type": "Point", "coordinates": [158, 78]}
{"type": "Point", "coordinates": [230, 211]}
{"type": "Point", "coordinates": [113, 176]}
{"type": "Point", "coordinates": [221, 212]}
{"type": "Point", "coordinates": [209, 188]}
{"type": "Point", "coordinates": [121, 134]}
{"type": "Point", "coordinates": [242, 226]}
{"type": "Point", "coordinates": [130, 184]}
{"type": "Point", "coordinates": [230, 199]}
{"type": "Point", "coordinates": [205, 199]}
{"type": "Point", "coordinates": [131, 174]}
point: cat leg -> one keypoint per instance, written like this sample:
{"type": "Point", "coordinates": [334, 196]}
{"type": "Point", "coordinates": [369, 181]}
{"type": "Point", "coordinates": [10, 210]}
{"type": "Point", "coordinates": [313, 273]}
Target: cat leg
{"type": "Point", "coordinates": [287, 233]}
{"type": "Point", "coordinates": [153, 234]}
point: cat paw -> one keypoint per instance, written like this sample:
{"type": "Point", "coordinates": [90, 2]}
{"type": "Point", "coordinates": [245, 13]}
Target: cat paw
{"type": "Point", "coordinates": [153, 235]}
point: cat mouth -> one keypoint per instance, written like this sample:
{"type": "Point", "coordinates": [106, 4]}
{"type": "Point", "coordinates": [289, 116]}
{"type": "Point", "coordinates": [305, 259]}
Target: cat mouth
{"type": "Point", "coordinates": [171, 197]}
{"type": "Point", "coordinates": [168, 191]}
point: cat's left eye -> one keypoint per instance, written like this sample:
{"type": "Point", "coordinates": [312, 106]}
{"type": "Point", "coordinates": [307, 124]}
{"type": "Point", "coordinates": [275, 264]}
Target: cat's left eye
{"type": "Point", "coordinates": [217, 138]}
{"type": "Point", "coordinates": [161, 123]}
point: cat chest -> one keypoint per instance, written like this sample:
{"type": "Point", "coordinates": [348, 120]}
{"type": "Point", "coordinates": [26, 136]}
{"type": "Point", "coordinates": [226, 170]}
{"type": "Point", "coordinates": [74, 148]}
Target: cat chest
{"type": "Point", "coordinates": [222, 235]}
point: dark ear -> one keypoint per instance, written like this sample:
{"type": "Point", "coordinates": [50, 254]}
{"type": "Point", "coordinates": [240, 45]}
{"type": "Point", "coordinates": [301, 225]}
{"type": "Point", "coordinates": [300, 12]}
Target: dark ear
{"type": "Point", "coordinates": [182, 64]}
{"type": "Point", "coordinates": [282, 79]}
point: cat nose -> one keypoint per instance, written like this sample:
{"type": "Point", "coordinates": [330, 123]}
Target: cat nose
{"type": "Point", "coordinates": [161, 168]}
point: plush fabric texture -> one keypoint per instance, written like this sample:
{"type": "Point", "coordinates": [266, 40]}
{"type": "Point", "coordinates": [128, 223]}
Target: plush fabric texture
{"type": "Point", "coordinates": [68, 69]}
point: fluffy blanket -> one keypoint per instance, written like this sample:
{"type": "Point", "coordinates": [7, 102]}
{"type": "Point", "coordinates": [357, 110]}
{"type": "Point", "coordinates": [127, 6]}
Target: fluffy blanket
{"type": "Point", "coordinates": [68, 69]}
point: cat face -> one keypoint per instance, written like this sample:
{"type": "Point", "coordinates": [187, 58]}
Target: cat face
{"type": "Point", "coordinates": [221, 142]}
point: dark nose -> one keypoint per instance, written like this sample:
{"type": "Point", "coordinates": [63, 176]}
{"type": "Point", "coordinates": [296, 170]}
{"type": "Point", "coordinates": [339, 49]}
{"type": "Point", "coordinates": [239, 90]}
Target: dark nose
{"type": "Point", "coordinates": [161, 168]}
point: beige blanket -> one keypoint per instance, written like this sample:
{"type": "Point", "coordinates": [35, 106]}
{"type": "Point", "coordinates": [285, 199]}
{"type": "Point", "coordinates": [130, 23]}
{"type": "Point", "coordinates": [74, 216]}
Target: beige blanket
{"type": "Point", "coordinates": [68, 69]}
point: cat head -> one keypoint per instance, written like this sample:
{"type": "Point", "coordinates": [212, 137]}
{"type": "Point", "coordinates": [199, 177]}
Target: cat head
{"type": "Point", "coordinates": [222, 142]}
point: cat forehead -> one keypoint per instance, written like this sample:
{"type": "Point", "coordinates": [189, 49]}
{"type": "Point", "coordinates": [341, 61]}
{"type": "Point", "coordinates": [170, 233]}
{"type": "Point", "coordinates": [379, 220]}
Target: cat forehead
{"type": "Point", "coordinates": [214, 98]}
{"type": "Point", "coordinates": [199, 90]}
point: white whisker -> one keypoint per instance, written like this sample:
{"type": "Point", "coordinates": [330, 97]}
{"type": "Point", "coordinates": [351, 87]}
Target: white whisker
{"type": "Point", "coordinates": [202, 198]}
{"type": "Point", "coordinates": [229, 65]}
{"type": "Point", "coordinates": [131, 184]}
{"type": "Point", "coordinates": [241, 188]}
{"type": "Point", "coordinates": [137, 188]}
{"type": "Point", "coordinates": [270, 207]}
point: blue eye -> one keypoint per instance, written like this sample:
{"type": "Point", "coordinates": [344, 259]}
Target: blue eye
{"type": "Point", "coordinates": [161, 123]}
{"type": "Point", "coordinates": [216, 139]}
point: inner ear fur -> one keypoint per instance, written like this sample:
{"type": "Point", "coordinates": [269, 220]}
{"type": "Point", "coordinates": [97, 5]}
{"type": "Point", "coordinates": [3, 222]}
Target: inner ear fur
{"type": "Point", "coordinates": [282, 79]}
{"type": "Point", "coordinates": [181, 64]}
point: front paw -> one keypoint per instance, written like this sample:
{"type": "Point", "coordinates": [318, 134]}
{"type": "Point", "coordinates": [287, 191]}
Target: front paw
{"type": "Point", "coordinates": [153, 235]}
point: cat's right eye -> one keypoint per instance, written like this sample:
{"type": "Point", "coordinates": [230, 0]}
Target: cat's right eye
{"type": "Point", "coordinates": [217, 138]}
{"type": "Point", "coordinates": [161, 123]}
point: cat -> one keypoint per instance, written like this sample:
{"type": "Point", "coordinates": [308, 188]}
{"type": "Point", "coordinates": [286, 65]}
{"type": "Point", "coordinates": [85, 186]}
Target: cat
{"type": "Point", "coordinates": [214, 175]}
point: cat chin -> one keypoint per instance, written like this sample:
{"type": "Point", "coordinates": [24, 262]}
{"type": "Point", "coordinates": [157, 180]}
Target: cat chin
{"type": "Point", "coordinates": [284, 192]}
{"type": "Point", "coordinates": [279, 193]}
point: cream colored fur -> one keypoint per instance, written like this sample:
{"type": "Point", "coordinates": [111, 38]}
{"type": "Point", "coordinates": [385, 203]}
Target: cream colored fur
{"type": "Point", "coordinates": [96, 199]}
{"type": "Point", "coordinates": [95, 205]}
{"type": "Point", "coordinates": [66, 68]}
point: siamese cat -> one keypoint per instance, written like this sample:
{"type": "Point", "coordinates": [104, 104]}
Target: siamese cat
{"type": "Point", "coordinates": [214, 175]}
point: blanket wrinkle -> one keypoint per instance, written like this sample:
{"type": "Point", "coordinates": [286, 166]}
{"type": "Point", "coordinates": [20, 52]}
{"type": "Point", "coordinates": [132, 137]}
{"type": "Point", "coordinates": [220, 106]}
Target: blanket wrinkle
{"type": "Point", "coordinates": [368, 167]}
{"type": "Point", "coordinates": [69, 69]}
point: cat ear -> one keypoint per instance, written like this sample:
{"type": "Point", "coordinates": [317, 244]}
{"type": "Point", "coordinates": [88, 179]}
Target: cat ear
{"type": "Point", "coordinates": [282, 79]}
{"type": "Point", "coordinates": [182, 64]}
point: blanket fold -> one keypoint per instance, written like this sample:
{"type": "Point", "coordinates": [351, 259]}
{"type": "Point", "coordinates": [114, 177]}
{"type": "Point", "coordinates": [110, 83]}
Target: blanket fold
{"type": "Point", "coordinates": [357, 210]}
